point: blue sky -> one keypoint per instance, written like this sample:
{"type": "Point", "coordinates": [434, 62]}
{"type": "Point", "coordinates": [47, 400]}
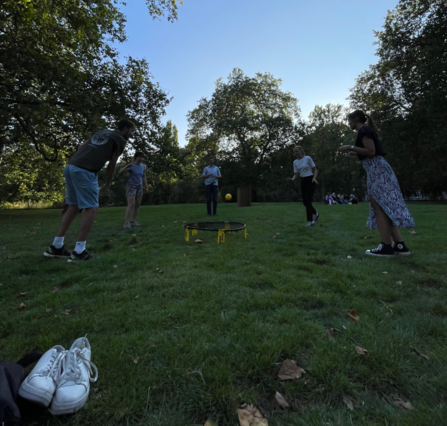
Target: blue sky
{"type": "Point", "coordinates": [317, 47]}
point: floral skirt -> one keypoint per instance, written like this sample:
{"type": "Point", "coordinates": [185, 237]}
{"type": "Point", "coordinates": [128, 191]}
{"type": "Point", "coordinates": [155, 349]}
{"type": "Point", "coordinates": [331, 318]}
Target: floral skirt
{"type": "Point", "coordinates": [384, 188]}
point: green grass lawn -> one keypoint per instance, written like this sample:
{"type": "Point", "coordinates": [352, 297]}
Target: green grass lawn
{"type": "Point", "coordinates": [211, 332]}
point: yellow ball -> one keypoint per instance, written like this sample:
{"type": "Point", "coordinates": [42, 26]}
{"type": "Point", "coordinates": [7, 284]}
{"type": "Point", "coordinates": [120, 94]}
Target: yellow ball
{"type": "Point", "coordinates": [228, 197]}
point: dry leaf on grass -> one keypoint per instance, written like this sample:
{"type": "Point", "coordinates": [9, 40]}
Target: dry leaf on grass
{"type": "Point", "coordinates": [210, 423]}
{"type": "Point", "coordinates": [115, 266]}
{"type": "Point", "coordinates": [354, 316]}
{"type": "Point", "coordinates": [385, 273]}
{"type": "Point", "coordinates": [280, 401]}
{"type": "Point", "coordinates": [289, 370]}
{"type": "Point", "coordinates": [401, 402]}
{"type": "Point", "coordinates": [23, 294]}
{"type": "Point", "coordinates": [413, 232]}
{"type": "Point", "coordinates": [22, 306]}
{"type": "Point", "coordinates": [67, 311]}
{"type": "Point", "coordinates": [399, 282]}
{"type": "Point", "coordinates": [420, 354]}
{"type": "Point", "coordinates": [348, 402]}
{"type": "Point", "coordinates": [274, 237]}
{"type": "Point", "coordinates": [250, 416]}
{"type": "Point", "coordinates": [348, 257]}
{"type": "Point", "coordinates": [38, 317]}
{"type": "Point", "coordinates": [56, 289]}
{"type": "Point", "coordinates": [160, 271]}
{"type": "Point", "coordinates": [361, 351]}
{"type": "Point", "coordinates": [137, 296]}
{"type": "Point", "coordinates": [49, 309]}
{"type": "Point", "coordinates": [330, 333]}
{"type": "Point", "coordinates": [200, 240]}
{"type": "Point", "coordinates": [136, 360]}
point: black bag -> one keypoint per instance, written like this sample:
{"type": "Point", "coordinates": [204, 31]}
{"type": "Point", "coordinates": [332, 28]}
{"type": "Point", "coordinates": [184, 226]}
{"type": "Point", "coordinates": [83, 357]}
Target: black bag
{"type": "Point", "coordinates": [11, 377]}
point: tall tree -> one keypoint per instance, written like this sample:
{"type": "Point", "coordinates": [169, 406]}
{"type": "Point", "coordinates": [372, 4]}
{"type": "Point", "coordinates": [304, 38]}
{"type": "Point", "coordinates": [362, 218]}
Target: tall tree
{"type": "Point", "coordinates": [249, 118]}
{"type": "Point", "coordinates": [406, 90]}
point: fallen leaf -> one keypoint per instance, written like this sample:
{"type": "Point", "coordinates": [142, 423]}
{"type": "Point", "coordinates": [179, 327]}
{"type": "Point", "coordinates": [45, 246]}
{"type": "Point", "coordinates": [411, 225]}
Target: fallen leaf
{"type": "Point", "coordinates": [274, 237]}
{"type": "Point", "coordinates": [344, 327]}
{"type": "Point", "coordinates": [49, 309]}
{"type": "Point", "coordinates": [412, 272]}
{"type": "Point", "coordinates": [210, 423]}
{"type": "Point", "coordinates": [413, 232]}
{"type": "Point", "coordinates": [200, 240]}
{"type": "Point", "coordinates": [330, 332]}
{"type": "Point", "coordinates": [354, 316]}
{"type": "Point", "coordinates": [385, 273]}
{"type": "Point", "coordinates": [250, 416]}
{"type": "Point", "coordinates": [56, 289]}
{"type": "Point", "coordinates": [115, 266]}
{"type": "Point", "coordinates": [401, 402]}
{"type": "Point", "coordinates": [289, 370]}
{"type": "Point", "coordinates": [67, 311]}
{"type": "Point", "coordinates": [160, 271]}
{"type": "Point", "coordinates": [136, 360]}
{"type": "Point", "coordinates": [348, 402]}
{"type": "Point", "coordinates": [280, 401]}
{"type": "Point", "coordinates": [361, 351]}
{"type": "Point", "coordinates": [348, 257]}
{"type": "Point", "coordinates": [38, 317]}
{"type": "Point", "coordinates": [420, 354]}
{"type": "Point", "coordinates": [399, 282]}
{"type": "Point", "coordinates": [137, 296]}
{"type": "Point", "coordinates": [247, 261]}
{"type": "Point", "coordinates": [22, 306]}
{"type": "Point", "coordinates": [184, 254]}
{"type": "Point", "coordinates": [277, 233]}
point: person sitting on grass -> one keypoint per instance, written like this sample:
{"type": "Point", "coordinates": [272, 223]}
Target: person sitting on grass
{"type": "Point", "coordinates": [82, 189]}
{"type": "Point", "coordinates": [134, 189]}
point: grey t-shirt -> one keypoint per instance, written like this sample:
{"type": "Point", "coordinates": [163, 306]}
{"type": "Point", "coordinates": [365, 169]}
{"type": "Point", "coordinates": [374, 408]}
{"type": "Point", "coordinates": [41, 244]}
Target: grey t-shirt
{"type": "Point", "coordinates": [98, 150]}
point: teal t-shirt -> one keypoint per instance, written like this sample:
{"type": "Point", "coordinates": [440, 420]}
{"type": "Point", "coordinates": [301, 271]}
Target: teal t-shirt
{"type": "Point", "coordinates": [136, 172]}
{"type": "Point", "coordinates": [98, 150]}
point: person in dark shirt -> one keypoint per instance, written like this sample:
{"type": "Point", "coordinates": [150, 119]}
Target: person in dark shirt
{"type": "Point", "coordinates": [388, 211]}
{"type": "Point", "coordinates": [82, 189]}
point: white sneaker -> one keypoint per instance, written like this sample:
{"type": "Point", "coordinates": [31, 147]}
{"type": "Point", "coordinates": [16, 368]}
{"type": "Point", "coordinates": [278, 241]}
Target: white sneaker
{"type": "Point", "coordinates": [134, 224]}
{"type": "Point", "coordinates": [127, 226]}
{"type": "Point", "coordinates": [40, 384]}
{"type": "Point", "coordinates": [73, 385]}
{"type": "Point", "coordinates": [310, 224]}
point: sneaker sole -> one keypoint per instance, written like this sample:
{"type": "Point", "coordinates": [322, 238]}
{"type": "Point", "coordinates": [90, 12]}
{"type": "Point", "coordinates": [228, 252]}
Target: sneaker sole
{"type": "Point", "coordinates": [407, 253]}
{"type": "Point", "coordinates": [58, 410]}
{"type": "Point", "coordinates": [55, 256]}
{"type": "Point", "coordinates": [368, 253]}
{"type": "Point", "coordinates": [29, 393]}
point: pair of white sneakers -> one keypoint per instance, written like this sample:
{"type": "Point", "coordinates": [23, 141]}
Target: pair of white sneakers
{"type": "Point", "coordinates": [61, 378]}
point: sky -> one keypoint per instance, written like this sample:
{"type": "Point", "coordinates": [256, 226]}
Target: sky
{"type": "Point", "coordinates": [316, 47]}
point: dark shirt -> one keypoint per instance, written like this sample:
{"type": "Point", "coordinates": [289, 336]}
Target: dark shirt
{"type": "Point", "coordinates": [98, 150]}
{"type": "Point", "coordinates": [370, 134]}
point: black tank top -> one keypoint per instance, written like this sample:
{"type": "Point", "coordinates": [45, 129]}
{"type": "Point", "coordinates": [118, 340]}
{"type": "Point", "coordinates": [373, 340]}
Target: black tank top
{"type": "Point", "coordinates": [370, 134]}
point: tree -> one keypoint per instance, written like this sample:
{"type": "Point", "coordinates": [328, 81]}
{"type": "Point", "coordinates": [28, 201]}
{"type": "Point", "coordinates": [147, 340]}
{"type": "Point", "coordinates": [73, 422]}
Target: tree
{"type": "Point", "coordinates": [248, 118]}
{"type": "Point", "coordinates": [407, 91]}
{"type": "Point", "coordinates": [61, 79]}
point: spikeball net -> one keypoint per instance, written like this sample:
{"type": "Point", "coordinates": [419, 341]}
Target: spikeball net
{"type": "Point", "coordinates": [220, 227]}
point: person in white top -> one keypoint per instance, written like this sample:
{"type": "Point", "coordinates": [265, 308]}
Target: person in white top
{"type": "Point", "coordinates": [211, 173]}
{"type": "Point", "coordinates": [305, 168]}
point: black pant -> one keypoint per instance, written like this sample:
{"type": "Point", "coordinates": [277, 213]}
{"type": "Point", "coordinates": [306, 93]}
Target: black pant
{"type": "Point", "coordinates": [211, 195]}
{"type": "Point", "coordinates": [307, 192]}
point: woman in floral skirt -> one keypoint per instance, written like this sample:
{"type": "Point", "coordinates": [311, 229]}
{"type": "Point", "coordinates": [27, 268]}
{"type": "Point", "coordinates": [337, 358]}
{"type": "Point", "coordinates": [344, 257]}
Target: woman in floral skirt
{"type": "Point", "coordinates": [388, 211]}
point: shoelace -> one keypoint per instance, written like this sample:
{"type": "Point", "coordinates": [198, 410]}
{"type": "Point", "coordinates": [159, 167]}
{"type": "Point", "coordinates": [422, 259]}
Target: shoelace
{"type": "Point", "coordinates": [69, 369]}
{"type": "Point", "coordinates": [52, 368]}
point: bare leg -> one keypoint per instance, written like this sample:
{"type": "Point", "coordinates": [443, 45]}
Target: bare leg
{"type": "Point", "coordinates": [129, 209]}
{"type": "Point", "coordinates": [383, 222]}
{"type": "Point", "coordinates": [395, 233]}
{"type": "Point", "coordinates": [67, 219]}
{"type": "Point", "coordinates": [86, 223]}
{"type": "Point", "coordinates": [136, 207]}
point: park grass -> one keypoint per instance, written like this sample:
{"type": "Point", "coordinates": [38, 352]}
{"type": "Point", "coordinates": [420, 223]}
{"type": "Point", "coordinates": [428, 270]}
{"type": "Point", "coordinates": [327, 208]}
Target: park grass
{"type": "Point", "coordinates": [210, 332]}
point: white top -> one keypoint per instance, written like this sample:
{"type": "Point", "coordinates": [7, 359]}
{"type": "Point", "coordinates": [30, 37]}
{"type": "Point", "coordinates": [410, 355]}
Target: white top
{"type": "Point", "coordinates": [303, 166]}
{"type": "Point", "coordinates": [211, 170]}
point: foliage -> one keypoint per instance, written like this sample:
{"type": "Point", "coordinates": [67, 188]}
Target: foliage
{"type": "Point", "coordinates": [406, 91]}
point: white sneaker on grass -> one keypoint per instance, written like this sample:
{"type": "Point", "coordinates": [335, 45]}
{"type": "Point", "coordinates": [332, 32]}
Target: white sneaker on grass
{"type": "Point", "coordinates": [73, 384]}
{"type": "Point", "coordinates": [134, 224]}
{"type": "Point", "coordinates": [40, 384]}
{"type": "Point", "coordinates": [310, 224]}
{"type": "Point", "coordinates": [127, 226]}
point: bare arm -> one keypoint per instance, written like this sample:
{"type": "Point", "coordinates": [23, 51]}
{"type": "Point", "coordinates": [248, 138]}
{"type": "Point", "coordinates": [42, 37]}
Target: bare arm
{"type": "Point", "coordinates": [146, 188]}
{"type": "Point", "coordinates": [109, 175]}
{"type": "Point", "coordinates": [315, 171]}
{"type": "Point", "coordinates": [369, 149]}
{"type": "Point", "coordinates": [124, 168]}
{"type": "Point", "coordinates": [295, 176]}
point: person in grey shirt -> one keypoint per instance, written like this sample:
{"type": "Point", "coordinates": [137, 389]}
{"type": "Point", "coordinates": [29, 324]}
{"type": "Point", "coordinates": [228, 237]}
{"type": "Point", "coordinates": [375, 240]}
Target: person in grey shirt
{"type": "Point", "coordinates": [211, 173]}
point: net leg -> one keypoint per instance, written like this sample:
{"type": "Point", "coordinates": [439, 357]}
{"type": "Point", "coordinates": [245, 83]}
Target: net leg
{"type": "Point", "coordinates": [245, 232]}
{"type": "Point", "coordinates": [221, 236]}
{"type": "Point", "coordinates": [186, 234]}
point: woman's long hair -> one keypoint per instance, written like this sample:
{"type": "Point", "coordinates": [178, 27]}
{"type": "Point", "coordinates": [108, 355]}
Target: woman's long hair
{"type": "Point", "coordinates": [366, 119]}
